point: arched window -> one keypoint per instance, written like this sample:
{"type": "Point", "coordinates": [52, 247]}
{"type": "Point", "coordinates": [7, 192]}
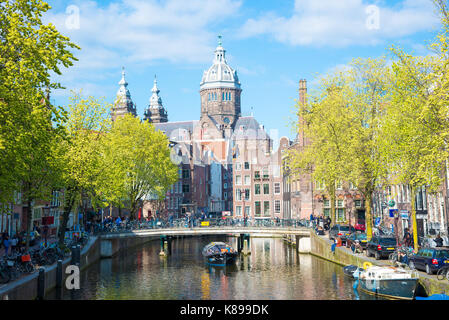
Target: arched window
{"type": "Point", "coordinates": [208, 97]}
{"type": "Point", "coordinates": [223, 96]}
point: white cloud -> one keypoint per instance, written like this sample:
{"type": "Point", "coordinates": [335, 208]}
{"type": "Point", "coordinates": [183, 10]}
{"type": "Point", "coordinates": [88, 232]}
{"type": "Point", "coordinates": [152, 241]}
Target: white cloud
{"type": "Point", "coordinates": [339, 23]}
{"type": "Point", "coordinates": [138, 33]}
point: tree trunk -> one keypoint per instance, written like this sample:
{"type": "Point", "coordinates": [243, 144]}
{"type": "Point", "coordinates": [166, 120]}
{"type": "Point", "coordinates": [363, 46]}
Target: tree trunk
{"type": "Point", "coordinates": [333, 198]}
{"type": "Point", "coordinates": [69, 201]}
{"type": "Point", "coordinates": [368, 218]}
{"type": "Point", "coordinates": [28, 225]}
{"type": "Point", "coordinates": [414, 224]}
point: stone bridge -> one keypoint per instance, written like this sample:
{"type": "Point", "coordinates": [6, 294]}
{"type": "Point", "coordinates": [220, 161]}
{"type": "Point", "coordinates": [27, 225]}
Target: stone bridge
{"type": "Point", "coordinates": [111, 243]}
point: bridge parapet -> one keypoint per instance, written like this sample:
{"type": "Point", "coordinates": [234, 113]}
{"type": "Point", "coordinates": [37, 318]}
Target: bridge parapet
{"type": "Point", "coordinates": [301, 232]}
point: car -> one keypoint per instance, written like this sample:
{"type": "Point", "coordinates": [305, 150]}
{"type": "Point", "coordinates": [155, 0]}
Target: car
{"type": "Point", "coordinates": [361, 237]}
{"type": "Point", "coordinates": [342, 231]}
{"type": "Point", "coordinates": [360, 227]}
{"type": "Point", "coordinates": [380, 247]}
{"type": "Point", "coordinates": [430, 259]}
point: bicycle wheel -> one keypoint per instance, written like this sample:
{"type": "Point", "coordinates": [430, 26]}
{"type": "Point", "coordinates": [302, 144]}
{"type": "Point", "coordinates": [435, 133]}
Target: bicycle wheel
{"type": "Point", "coordinates": [29, 268]}
{"type": "Point", "coordinates": [442, 273]}
{"type": "Point", "coordinates": [392, 257]}
{"type": "Point", "coordinates": [4, 276]}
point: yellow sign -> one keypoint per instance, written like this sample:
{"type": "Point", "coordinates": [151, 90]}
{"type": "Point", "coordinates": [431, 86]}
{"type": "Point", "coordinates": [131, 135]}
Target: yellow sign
{"type": "Point", "coordinates": [204, 223]}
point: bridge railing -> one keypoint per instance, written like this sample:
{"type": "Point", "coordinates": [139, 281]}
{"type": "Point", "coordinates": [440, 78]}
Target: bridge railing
{"type": "Point", "coordinates": [112, 227]}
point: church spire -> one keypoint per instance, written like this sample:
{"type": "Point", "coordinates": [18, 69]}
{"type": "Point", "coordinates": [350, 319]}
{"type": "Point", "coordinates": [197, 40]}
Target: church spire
{"type": "Point", "coordinates": [123, 103]}
{"type": "Point", "coordinates": [155, 112]}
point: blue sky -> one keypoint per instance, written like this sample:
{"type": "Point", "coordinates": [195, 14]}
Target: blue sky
{"type": "Point", "coordinates": [271, 44]}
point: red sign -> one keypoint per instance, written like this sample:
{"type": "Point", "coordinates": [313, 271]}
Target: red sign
{"type": "Point", "coordinates": [48, 221]}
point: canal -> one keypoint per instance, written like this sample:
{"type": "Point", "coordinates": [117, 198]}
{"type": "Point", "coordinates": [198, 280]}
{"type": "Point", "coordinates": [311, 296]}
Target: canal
{"type": "Point", "coordinates": [274, 270]}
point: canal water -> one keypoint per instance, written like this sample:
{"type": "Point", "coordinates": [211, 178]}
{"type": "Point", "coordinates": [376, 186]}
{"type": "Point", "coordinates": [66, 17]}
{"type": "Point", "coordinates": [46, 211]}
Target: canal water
{"type": "Point", "coordinates": [273, 271]}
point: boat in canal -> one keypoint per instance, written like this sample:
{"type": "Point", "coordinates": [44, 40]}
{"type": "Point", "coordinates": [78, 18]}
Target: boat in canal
{"type": "Point", "coordinates": [219, 254]}
{"type": "Point", "coordinates": [349, 270]}
{"type": "Point", "coordinates": [388, 282]}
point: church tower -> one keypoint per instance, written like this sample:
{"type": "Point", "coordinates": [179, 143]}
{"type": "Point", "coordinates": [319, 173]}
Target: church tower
{"type": "Point", "coordinates": [123, 103]}
{"type": "Point", "coordinates": [220, 92]}
{"type": "Point", "coordinates": [155, 112]}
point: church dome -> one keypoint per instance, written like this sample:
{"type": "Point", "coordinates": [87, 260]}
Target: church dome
{"type": "Point", "coordinates": [220, 74]}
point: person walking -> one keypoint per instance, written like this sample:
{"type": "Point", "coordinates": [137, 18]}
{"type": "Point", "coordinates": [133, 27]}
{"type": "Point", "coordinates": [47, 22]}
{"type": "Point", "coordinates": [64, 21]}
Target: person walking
{"type": "Point", "coordinates": [6, 244]}
{"type": "Point", "coordinates": [408, 242]}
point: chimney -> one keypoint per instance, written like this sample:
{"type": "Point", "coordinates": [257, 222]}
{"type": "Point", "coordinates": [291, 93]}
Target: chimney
{"type": "Point", "coordinates": [302, 90]}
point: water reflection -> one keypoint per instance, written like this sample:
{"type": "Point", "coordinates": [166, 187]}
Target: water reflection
{"type": "Point", "coordinates": [273, 270]}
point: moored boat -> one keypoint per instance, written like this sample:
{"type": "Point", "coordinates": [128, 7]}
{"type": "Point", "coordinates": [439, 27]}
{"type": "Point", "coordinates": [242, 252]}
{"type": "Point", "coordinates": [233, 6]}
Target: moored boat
{"type": "Point", "coordinates": [389, 282]}
{"type": "Point", "coordinates": [349, 270]}
{"type": "Point", "coordinates": [219, 254]}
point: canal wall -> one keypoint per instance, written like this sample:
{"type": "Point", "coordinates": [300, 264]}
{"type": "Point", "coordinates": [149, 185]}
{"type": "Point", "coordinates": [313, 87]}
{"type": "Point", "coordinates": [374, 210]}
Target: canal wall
{"type": "Point", "coordinates": [26, 288]}
{"type": "Point", "coordinates": [111, 246]}
{"type": "Point", "coordinates": [321, 247]}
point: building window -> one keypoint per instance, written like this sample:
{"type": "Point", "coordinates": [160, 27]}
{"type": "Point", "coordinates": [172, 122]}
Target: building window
{"type": "Point", "coordinates": [238, 180]}
{"type": "Point", "coordinates": [358, 203]}
{"type": "Point", "coordinates": [327, 203]}
{"type": "Point", "coordinates": [340, 214]}
{"type": "Point", "coordinates": [185, 173]}
{"type": "Point", "coordinates": [327, 212]}
{"type": "Point", "coordinates": [238, 195]}
{"type": "Point", "coordinates": [238, 166]}
{"type": "Point", "coordinates": [277, 206]}
{"type": "Point", "coordinates": [185, 188]}
{"type": "Point", "coordinates": [247, 193]}
{"type": "Point", "coordinates": [225, 185]}
{"type": "Point", "coordinates": [265, 172]}
{"type": "Point", "coordinates": [266, 188]}
{"type": "Point", "coordinates": [238, 210]}
{"type": "Point", "coordinates": [277, 188]}
{"type": "Point", "coordinates": [247, 211]}
{"type": "Point", "coordinates": [257, 208]}
{"type": "Point", "coordinates": [257, 189]}
{"type": "Point", "coordinates": [225, 195]}
{"type": "Point", "coordinates": [319, 185]}
{"type": "Point", "coordinates": [338, 185]}
{"type": "Point", "coordinates": [257, 174]}
{"type": "Point", "coordinates": [246, 165]}
{"type": "Point", "coordinates": [266, 208]}
{"type": "Point", "coordinates": [247, 180]}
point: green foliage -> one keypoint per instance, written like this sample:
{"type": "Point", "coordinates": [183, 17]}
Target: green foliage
{"type": "Point", "coordinates": [137, 163]}
{"type": "Point", "coordinates": [29, 52]}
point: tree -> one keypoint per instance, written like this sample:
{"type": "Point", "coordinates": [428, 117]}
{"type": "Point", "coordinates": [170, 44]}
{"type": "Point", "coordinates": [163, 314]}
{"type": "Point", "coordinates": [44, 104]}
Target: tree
{"type": "Point", "coordinates": [344, 127]}
{"type": "Point", "coordinates": [29, 52]}
{"type": "Point", "coordinates": [86, 123]}
{"type": "Point", "coordinates": [325, 125]}
{"type": "Point", "coordinates": [137, 163]}
{"type": "Point", "coordinates": [39, 172]}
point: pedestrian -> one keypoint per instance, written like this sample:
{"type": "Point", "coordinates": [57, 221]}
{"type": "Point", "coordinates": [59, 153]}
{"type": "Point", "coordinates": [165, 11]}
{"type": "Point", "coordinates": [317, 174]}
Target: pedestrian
{"type": "Point", "coordinates": [14, 243]}
{"type": "Point", "coordinates": [6, 243]}
{"type": "Point", "coordinates": [407, 238]}
{"type": "Point", "coordinates": [439, 241]}
{"type": "Point", "coordinates": [45, 233]}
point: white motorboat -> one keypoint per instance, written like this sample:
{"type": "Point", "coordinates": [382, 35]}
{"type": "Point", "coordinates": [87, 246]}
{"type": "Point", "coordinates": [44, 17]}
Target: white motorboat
{"type": "Point", "coordinates": [389, 282]}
